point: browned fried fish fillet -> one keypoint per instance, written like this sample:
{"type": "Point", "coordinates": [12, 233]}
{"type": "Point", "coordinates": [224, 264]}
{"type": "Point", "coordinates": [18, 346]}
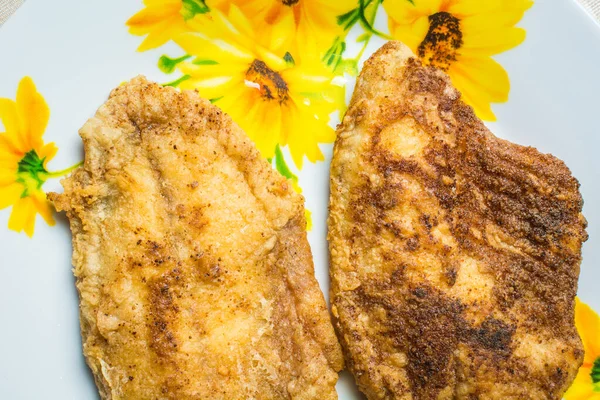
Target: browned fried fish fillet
{"type": "Point", "coordinates": [454, 254]}
{"type": "Point", "coordinates": [193, 268]}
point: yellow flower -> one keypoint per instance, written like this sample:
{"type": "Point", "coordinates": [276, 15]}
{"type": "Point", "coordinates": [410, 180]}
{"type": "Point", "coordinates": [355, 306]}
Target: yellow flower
{"type": "Point", "coordinates": [23, 158]}
{"type": "Point", "coordinates": [315, 20]}
{"type": "Point", "coordinates": [276, 97]}
{"type": "Point", "coordinates": [162, 20]}
{"type": "Point", "coordinates": [587, 383]}
{"type": "Point", "coordinates": [460, 36]}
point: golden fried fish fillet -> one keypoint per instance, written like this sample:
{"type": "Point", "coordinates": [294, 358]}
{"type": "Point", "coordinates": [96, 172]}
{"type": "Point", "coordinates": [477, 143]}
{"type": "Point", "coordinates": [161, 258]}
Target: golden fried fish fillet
{"type": "Point", "coordinates": [193, 268]}
{"type": "Point", "coordinates": [454, 254]}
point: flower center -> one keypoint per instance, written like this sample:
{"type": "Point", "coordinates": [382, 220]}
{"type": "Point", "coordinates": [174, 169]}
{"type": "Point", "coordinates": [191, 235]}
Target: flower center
{"type": "Point", "coordinates": [271, 84]}
{"type": "Point", "coordinates": [31, 172]}
{"type": "Point", "coordinates": [289, 2]}
{"type": "Point", "coordinates": [441, 44]}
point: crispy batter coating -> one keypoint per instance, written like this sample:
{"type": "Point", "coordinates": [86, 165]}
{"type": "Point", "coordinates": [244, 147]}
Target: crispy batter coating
{"type": "Point", "coordinates": [454, 254]}
{"type": "Point", "coordinates": [193, 268]}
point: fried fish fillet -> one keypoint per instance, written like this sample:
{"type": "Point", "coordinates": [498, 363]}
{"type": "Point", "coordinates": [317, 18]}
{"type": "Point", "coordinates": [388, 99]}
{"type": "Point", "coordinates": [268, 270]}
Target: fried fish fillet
{"type": "Point", "coordinates": [454, 254]}
{"type": "Point", "coordinates": [193, 268]}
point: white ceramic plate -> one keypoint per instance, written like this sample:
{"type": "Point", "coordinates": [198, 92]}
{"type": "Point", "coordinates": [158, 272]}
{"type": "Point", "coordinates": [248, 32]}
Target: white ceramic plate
{"type": "Point", "coordinates": [77, 51]}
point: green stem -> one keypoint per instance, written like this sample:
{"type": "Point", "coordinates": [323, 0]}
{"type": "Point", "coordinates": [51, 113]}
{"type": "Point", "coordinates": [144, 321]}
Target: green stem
{"type": "Point", "coordinates": [368, 25]}
{"type": "Point", "coordinates": [176, 82]}
{"type": "Point", "coordinates": [167, 64]}
{"type": "Point", "coordinates": [370, 21]}
{"type": "Point", "coordinates": [282, 166]}
{"type": "Point", "coordinates": [362, 51]}
{"type": "Point", "coordinates": [63, 172]}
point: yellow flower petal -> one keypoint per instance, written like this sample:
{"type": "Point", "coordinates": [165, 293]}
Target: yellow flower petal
{"type": "Point", "coordinates": [337, 7]}
{"type": "Point", "coordinates": [279, 36]}
{"type": "Point", "coordinates": [489, 21]}
{"type": "Point", "coordinates": [492, 42]}
{"type": "Point", "coordinates": [263, 126]}
{"type": "Point", "coordinates": [161, 21]}
{"type": "Point", "coordinates": [235, 42]}
{"type": "Point", "coordinates": [301, 80]}
{"type": "Point", "coordinates": [582, 387]}
{"type": "Point", "coordinates": [405, 14]}
{"type": "Point", "coordinates": [10, 194]}
{"type": "Point", "coordinates": [588, 326]}
{"type": "Point", "coordinates": [280, 27]}
{"type": "Point", "coordinates": [48, 151]}
{"type": "Point", "coordinates": [13, 137]}
{"type": "Point", "coordinates": [33, 113]}
{"type": "Point", "coordinates": [198, 44]}
{"type": "Point", "coordinates": [162, 32]}
{"type": "Point", "coordinates": [43, 207]}
{"type": "Point", "coordinates": [152, 15]}
{"type": "Point", "coordinates": [412, 34]}
{"type": "Point", "coordinates": [210, 88]}
{"type": "Point", "coordinates": [472, 96]}
{"type": "Point", "coordinates": [304, 132]}
{"type": "Point", "coordinates": [7, 176]}
{"type": "Point", "coordinates": [486, 28]}
{"type": "Point", "coordinates": [9, 157]}
{"type": "Point", "coordinates": [22, 217]}
{"type": "Point", "coordinates": [213, 71]}
{"type": "Point", "coordinates": [486, 75]}
{"type": "Point", "coordinates": [465, 8]}
{"type": "Point", "coordinates": [239, 22]}
{"type": "Point", "coordinates": [481, 81]}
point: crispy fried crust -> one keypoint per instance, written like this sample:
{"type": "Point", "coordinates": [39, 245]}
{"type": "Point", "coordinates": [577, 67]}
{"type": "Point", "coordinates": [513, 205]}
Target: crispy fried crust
{"type": "Point", "coordinates": [193, 268]}
{"type": "Point", "coordinates": [454, 254]}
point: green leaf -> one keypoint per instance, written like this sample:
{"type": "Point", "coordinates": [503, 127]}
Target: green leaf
{"type": "Point", "coordinates": [282, 166]}
{"type": "Point", "coordinates": [176, 82]}
{"type": "Point", "coordinates": [349, 66]}
{"type": "Point", "coordinates": [284, 170]}
{"type": "Point", "coordinates": [334, 55]}
{"type": "Point", "coordinates": [192, 7]}
{"type": "Point", "coordinates": [595, 374]}
{"type": "Point", "coordinates": [364, 37]}
{"type": "Point", "coordinates": [199, 61]}
{"type": "Point", "coordinates": [289, 59]}
{"type": "Point", "coordinates": [349, 19]}
{"type": "Point", "coordinates": [368, 21]}
{"type": "Point", "coordinates": [167, 64]}
{"type": "Point", "coordinates": [213, 101]}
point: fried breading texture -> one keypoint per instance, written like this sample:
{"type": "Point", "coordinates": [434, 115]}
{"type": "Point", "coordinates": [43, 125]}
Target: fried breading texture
{"type": "Point", "coordinates": [454, 254]}
{"type": "Point", "coordinates": [192, 263]}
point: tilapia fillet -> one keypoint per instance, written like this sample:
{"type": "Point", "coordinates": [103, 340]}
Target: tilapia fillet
{"type": "Point", "coordinates": [454, 254]}
{"type": "Point", "coordinates": [193, 268]}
